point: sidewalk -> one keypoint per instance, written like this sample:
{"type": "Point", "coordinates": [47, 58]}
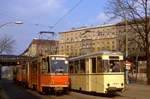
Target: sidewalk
{"type": "Point", "coordinates": [137, 91]}
{"type": "Point", "coordinates": [2, 93]}
{"type": "Point", "coordinates": [142, 87]}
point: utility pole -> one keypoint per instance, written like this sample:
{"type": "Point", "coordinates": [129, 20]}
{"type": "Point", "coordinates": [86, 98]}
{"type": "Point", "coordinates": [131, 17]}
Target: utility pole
{"type": "Point", "coordinates": [126, 50]}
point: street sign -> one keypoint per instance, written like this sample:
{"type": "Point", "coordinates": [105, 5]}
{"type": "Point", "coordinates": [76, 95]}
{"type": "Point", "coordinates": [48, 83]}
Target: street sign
{"type": "Point", "coordinates": [128, 65]}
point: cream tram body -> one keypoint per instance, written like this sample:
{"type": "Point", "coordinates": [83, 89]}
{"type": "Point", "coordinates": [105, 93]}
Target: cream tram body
{"type": "Point", "coordinates": [93, 73]}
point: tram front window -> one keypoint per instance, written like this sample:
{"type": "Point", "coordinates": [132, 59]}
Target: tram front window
{"type": "Point", "coordinates": [59, 66]}
{"type": "Point", "coordinates": [112, 66]}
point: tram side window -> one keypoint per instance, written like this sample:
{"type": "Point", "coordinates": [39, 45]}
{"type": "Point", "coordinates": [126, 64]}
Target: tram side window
{"type": "Point", "coordinates": [115, 66]}
{"type": "Point", "coordinates": [105, 65]}
{"type": "Point", "coordinates": [48, 64]}
{"type": "Point", "coordinates": [82, 66]}
{"type": "Point", "coordinates": [34, 67]}
{"type": "Point", "coordinates": [44, 66]}
{"type": "Point", "coordinates": [76, 67]}
{"type": "Point", "coordinates": [99, 65]}
{"type": "Point", "coordinates": [71, 67]}
{"type": "Point", "coordinates": [93, 65]}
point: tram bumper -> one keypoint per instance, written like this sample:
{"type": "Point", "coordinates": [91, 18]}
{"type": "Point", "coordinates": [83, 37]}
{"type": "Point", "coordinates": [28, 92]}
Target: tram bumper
{"type": "Point", "coordinates": [58, 89]}
{"type": "Point", "coordinates": [114, 89]}
{"type": "Point", "coordinates": [61, 88]}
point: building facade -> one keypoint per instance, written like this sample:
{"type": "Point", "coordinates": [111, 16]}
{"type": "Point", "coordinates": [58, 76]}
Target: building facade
{"type": "Point", "coordinates": [88, 39]}
{"type": "Point", "coordinates": [40, 47]}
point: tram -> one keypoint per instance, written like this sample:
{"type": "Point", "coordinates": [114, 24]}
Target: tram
{"type": "Point", "coordinates": [46, 74]}
{"type": "Point", "coordinates": [53, 74]}
{"type": "Point", "coordinates": [18, 74]}
{"type": "Point", "coordinates": [100, 72]}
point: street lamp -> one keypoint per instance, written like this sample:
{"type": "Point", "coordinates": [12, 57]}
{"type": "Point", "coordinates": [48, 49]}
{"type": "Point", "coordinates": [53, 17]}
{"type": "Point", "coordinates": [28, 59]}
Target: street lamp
{"type": "Point", "coordinates": [16, 22]}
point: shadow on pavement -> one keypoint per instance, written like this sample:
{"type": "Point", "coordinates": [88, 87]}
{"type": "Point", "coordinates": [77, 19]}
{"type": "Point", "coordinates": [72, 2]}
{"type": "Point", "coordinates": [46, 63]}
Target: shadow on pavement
{"type": "Point", "coordinates": [14, 92]}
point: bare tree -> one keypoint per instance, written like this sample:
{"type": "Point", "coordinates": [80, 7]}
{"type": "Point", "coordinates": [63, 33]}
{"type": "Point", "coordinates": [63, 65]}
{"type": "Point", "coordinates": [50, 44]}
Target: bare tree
{"type": "Point", "coordinates": [6, 44]}
{"type": "Point", "coordinates": [137, 14]}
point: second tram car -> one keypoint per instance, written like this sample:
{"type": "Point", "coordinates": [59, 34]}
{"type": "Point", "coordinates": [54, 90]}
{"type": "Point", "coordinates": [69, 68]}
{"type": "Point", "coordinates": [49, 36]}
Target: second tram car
{"type": "Point", "coordinates": [100, 72]}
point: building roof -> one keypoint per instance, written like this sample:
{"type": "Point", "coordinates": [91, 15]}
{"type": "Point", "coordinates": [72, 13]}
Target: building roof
{"type": "Point", "coordinates": [88, 27]}
{"type": "Point", "coordinates": [39, 41]}
{"type": "Point", "coordinates": [42, 41]}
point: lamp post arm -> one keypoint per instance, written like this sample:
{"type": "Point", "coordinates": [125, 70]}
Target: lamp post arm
{"type": "Point", "coordinates": [5, 24]}
{"type": "Point", "coordinates": [16, 22]}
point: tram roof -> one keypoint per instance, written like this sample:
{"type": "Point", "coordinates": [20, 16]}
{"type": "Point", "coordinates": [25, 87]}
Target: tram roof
{"type": "Point", "coordinates": [37, 58]}
{"type": "Point", "coordinates": [116, 53]}
{"type": "Point", "coordinates": [56, 56]}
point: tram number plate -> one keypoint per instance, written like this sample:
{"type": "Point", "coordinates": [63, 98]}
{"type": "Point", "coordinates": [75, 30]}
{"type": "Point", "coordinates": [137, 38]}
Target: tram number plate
{"type": "Point", "coordinates": [115, 83]}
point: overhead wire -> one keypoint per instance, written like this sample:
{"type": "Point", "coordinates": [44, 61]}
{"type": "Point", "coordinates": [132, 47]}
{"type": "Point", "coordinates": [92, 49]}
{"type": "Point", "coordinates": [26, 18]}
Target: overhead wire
{"type": "Point", "coordinates": [60, 19]}
{"type": "Point", "coordinates": [66, 14]}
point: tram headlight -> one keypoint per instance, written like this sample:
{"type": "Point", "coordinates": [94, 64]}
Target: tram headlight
{"type": "Point", "coordinates": [66, 82]}
{"type": "Point", "coordinates": [108, 84]}
{"type": "Point", "coordinates": [122, 84]}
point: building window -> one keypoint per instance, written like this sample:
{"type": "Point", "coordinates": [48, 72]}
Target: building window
{"type": "Point", "coordinates": [98, 48]}
{"type": "Point", "coordinates": [71, 39]}
{"type": "Point", "coordinates": [113, 46]}
{"type": "Point", "coordinates": [99, 33]}
{"type": "Point", "coordinates": [113, 42]}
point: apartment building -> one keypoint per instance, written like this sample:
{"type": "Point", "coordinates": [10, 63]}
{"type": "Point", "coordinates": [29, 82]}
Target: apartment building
{"type": "Point", "coordinates": [78, 41]}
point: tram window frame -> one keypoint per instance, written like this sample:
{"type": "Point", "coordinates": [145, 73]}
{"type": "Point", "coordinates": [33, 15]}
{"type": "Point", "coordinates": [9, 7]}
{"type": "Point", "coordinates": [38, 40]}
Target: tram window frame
{"type": "Point", "coordinates": [82, 66]}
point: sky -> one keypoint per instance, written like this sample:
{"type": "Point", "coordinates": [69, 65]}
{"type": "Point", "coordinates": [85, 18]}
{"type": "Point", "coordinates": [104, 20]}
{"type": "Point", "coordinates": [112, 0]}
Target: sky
{"type": "Point", "coordinates": [40, 15]}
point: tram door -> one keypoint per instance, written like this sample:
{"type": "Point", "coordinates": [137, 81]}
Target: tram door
{"type": "Point", "coordinates": [96, 74]}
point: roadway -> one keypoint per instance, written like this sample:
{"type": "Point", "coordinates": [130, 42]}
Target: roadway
{"type": "Point", "coordinates": [8, 90]}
